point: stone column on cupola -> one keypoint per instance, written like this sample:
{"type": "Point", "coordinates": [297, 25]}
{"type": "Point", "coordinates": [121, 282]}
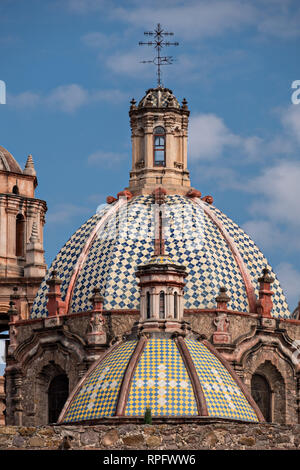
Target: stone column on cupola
{"type": "Point", "coordinates": [33, 207]}
{"type": "Point", "coordinates": [148, 141]}
{"type": "Point", "coordinates": [169, 121]}
{"type": "Point", "coordinates": [12, 212]}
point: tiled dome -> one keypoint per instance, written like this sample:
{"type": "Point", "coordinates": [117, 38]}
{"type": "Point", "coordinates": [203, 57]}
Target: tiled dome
{"type": "Point", "coordinates": [160, 377]}
{"type": "Point", "coordinates": [214, 250]}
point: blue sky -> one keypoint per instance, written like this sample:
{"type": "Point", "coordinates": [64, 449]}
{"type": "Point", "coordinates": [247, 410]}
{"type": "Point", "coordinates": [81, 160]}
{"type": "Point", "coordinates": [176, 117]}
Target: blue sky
{"type": "Point", "coordinates": [72, 66]}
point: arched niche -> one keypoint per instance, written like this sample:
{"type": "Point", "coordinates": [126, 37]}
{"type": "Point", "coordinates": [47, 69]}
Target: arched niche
{"type": "Point", "coordinates": [269, 391]}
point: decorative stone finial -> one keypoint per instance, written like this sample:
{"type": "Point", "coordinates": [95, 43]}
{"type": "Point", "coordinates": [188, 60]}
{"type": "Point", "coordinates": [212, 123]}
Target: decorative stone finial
{"type": "Point", "coordinates": [208, 199]}
{"type": "Point", "coordinates": [125, 193]}
{"type": "Point", "coordinates": [29, 167]}
{"type": "Point", "coordinates": [265, 303]}
{"type": "Point", "coordinates": [111, 199]}
{"type": "Point", "coordinates": [266, 277]}
{"type": "Point", "coordinates": [184, 104]}
{"type": "Point", "coordinates": [193, 193]}
{"type": "Point", "coordinates": [34, 237]}
{"type": "Point", "coordinates": [133, 104]}
{"type": "Point", "coordinates": [13, 331]}
{"type": "Point", "coordinates": [222, 299]}
{"type": "Point", "coordinates": [12, 312]}
{"type": "Point", "coordinates": [55, 305]}
{"type": "Point", "coordinates": [97, 300]}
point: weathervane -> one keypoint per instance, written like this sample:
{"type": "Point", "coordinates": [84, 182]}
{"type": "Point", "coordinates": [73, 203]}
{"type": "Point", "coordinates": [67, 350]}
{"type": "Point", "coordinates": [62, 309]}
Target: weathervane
{"type": "Point", "coordinates": [159, 43]}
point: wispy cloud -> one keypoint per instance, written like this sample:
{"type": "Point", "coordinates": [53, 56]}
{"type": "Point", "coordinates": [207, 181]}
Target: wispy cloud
{"type": "Point", "coordinates": [99, 40]}
{"type": "Point", "coordinates": [289, 278]}
{"type": "Point", "coordinates": [65, 212]}
{"type": "Point", "coordinates": [280, 21]}
{"type": "Point", "coordinates": [86, 6]}
{"type": "Point", "coordinates": [192, 19]}
{"type": "Point", "coordinates": [65, 98]}
{"type": "Point", "coordinates": [210, 138]}
{"type": "Point", "coordinates": [278, 187]}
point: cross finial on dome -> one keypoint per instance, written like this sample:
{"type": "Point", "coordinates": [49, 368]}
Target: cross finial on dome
{"type": "Point", "coordinates": [158, 43]}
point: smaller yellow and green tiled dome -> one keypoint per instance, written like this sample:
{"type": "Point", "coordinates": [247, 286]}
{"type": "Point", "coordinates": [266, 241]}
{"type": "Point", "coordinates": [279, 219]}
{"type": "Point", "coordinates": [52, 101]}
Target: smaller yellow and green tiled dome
{"type": "Point", "coordinates": [173, 378]}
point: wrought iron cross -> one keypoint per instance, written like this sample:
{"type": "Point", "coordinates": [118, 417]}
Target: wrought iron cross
{"type": "Point", "coordinates": [158, 42]}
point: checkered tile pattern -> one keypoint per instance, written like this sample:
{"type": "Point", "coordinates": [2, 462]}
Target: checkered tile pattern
{"type": "Point", "coordinates": [223, 396]}
{"type": "Point", "coordinates": [255, 262]}
{"type": "Point", "coordinates": [192, 239]}
{"type": "Point", "coordinates": [114, 256]}
{"type": "Point", "coordinates": [97, 397]}
{"type": "Point", "coordinates": [161, 382]}
{"type": "Point", "coordinates": [64, 263]}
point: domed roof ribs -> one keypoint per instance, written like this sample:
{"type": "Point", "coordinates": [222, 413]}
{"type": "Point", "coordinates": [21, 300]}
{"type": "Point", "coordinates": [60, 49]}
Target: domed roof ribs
{"type": "Point", "coordinates": [86, 249]}
{"type": "Point", "coordinates": [239, 260]}
{"type": "Point", "coordinates": [8, 161]}
{"type": "Point", "coordinates": [236, 378]}
{"type": "Point", "coordinates": [190, 367]}
{"type": "Point", "coordinates": [128, 376]}
{"type": "Point", "coordinates": [83, 379]}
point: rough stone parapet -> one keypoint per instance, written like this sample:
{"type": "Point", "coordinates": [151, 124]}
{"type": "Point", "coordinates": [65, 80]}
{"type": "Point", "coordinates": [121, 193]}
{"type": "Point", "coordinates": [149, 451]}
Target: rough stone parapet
{"type": "Point", "coordinates": [218, 435]}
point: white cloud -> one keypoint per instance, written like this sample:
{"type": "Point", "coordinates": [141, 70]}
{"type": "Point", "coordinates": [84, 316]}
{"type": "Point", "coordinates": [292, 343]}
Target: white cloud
{"type": "Point", "coordinates": [264, 233]}
{"type": "Point", "coordinates": [129, 63]}
{"type": "Point", "coordinates": [26, 99]}
{"type": "Point", "coordinates": [65, 98]}
{"type": "Point", "coordinates": [289, 278]}
{"type": "Point", "coordinates": [210, 138]}
{"type": "Point", "coordinates": [99, 40]}
{"type": "Point", "coordinates": [192, 19]}
{"type": "Point", "coordinates": [85, 6]}
{"type": "Point", "coordinates": [280, 22]}
{"type": "Point", "coordinates": [290, 118]}
{"type": "Point", "coordinates": [279, 189]}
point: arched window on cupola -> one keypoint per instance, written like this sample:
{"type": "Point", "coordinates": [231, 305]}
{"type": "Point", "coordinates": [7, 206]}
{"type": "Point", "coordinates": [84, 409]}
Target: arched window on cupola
{"type": "Point", "coordinates": [15, 190]}
{"type": "Point", "coordinates": [148, 305]}
{"type": "Point", "coordinates": [162, 305]}
{"type": "Point", "coordinates": [175, 305]}
{"type": "Point", "coordinates": [159, 146]}
{"type": "Point", "coordinates": [20, 235]}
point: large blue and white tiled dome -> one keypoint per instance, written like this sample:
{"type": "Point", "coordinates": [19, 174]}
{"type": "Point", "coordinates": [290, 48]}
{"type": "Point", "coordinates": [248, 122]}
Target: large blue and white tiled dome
{"type": "Point", "coordinates": [106, 250]}
{"type": "Point", "coordinates": [160, 379]}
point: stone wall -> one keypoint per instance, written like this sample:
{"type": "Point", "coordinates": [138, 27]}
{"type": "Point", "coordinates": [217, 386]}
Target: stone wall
{"type": "Point", "coordinates": [216, 435]}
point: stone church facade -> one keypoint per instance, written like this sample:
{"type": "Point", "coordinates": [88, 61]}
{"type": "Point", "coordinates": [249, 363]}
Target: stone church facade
{"type": "Point", "coordinates": [64, 321]}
